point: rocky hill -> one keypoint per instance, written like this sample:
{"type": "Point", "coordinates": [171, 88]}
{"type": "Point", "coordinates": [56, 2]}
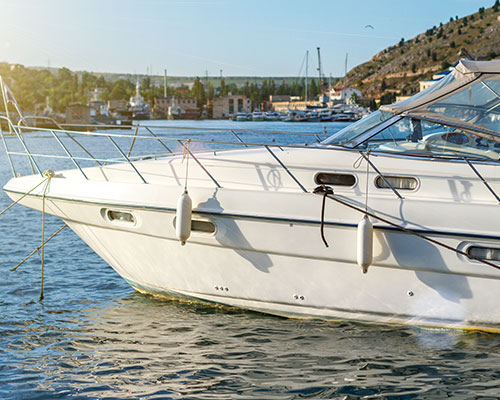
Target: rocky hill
{"type": "Point", "coordinates": [398, 69]}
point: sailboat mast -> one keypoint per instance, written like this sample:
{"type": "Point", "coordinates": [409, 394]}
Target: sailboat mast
{"type": "Point", "coordinates": [345, 73]}
{"type": "Point", "coordinates": [307, 65]}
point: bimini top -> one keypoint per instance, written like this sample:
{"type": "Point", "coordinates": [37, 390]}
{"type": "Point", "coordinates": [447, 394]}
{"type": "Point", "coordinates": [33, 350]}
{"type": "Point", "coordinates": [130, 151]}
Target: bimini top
{"type": "Point", "coordinates": [470, 94]}
{"type": "Point", "coordinates": [460, 114]}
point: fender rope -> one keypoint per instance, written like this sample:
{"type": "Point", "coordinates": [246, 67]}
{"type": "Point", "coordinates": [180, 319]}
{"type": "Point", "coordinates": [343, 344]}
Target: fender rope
{"type": "Point", "coordinates": [325, 190]}
{"type": "Point", "coordinates": [321, 190]}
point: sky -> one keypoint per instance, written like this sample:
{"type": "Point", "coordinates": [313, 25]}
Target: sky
{"type": "Point", "coordinates": [196, 37]}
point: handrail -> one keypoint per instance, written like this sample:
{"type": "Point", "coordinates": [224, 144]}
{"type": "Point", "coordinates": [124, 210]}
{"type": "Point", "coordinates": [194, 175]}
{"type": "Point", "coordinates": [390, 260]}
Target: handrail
{"type": "Point", "coordinates": [435, 157]}
{"type": "Point", "coordinates": [179, 139]}
{"type": "Point", "coordinates": [126, 158]}
{"type": "Point", "coordinates": [69, 154]}
{"type": "Point", "coordinates": [181, 128]}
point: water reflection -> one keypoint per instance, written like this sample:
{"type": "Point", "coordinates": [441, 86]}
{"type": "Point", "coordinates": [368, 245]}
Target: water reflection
{"type": "Point", "coordinates": [143, 346]}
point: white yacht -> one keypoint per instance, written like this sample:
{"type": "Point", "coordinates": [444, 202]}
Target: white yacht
{"type": "Point", "coordinates": [243, 116]}
{"type": "Point", "coordinates": [394, 219]}
{"type": "Point", "coordinates": [258, 116]}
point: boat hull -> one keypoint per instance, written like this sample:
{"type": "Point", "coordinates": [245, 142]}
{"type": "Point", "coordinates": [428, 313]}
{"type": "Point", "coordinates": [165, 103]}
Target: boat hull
{"type": "Point", "coordinates": [297, 284]}
{"type": "Point", "coordinates": [293, 274]}
{"type": "Point", "coordinates": [265, 251]}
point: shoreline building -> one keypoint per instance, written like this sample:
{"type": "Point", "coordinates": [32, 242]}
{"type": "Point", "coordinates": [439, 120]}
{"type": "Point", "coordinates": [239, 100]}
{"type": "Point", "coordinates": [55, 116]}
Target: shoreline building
{"type": "Point", "coordinates": [229, 106]}
{"type": "Point", "coordinates": [184, 108]}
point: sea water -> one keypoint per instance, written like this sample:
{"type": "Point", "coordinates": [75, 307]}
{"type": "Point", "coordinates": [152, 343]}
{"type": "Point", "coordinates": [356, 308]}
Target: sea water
{"type": "Point", "coordinates": [94, 337]}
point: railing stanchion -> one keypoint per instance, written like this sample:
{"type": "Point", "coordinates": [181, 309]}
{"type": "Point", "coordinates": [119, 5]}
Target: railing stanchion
{"type": "Point", "coordinates": [199, 163]}
{"type": "Point", "coordinates": [239, 139]}
{"type": "Point", "coordinates": [159, 140]}
{"type": "Point", "coordinates": [285, 168]}
{"type": "Point", "coordinates": [28, 154]}
{"type": "Point", "coordinates": [133, 140]}
{"type": "Point", "coordinates": [68, 153]}
{"type": "Point", "coordinates": [126, 158]}
{"type": "Point", "coordinates": [7, 149]}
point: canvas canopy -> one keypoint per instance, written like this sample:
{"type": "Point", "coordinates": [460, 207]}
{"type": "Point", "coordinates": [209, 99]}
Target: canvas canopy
{"type": "Point", "coordinates": [469, 96]}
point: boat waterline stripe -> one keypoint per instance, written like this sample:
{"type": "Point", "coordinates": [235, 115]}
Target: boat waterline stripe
{"type": "Point", "coordinates": [264, 218]}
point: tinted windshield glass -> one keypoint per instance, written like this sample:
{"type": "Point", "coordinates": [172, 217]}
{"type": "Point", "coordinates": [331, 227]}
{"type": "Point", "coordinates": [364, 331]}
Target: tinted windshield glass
{"type": "Point", "coordinates": [350, 133]}
{"type": "Point", "coordinates": [426, 138]}
{"type": "Point", "coordinates": [478, 104]}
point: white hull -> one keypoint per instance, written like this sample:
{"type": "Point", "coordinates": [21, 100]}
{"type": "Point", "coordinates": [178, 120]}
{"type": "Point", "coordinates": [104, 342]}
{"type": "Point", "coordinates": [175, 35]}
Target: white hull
{"type": "Point", "coordinates": [267, 253]}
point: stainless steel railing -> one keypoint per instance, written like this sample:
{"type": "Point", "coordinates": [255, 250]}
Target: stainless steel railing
{"type": "Point", "coordinates": [71, 146]}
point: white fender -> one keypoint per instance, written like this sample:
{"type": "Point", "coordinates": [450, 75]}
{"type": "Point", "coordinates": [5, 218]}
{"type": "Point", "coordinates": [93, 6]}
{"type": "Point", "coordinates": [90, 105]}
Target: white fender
{"type": "Point", "coordinates": [365, 244]}
{"type": "Point", "coordinates": [183, 217]}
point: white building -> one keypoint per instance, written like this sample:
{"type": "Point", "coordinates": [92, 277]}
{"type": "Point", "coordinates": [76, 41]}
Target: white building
{"type": "Point", "coordinates": [435, 78]}
{"type": "Point", "coordinates": [345, 95]}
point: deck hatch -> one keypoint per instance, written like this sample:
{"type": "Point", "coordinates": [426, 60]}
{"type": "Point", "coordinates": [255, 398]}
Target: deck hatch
{"type": "Point", "coordinates": [486, 253]}
{"type": "Point", "coordinates": [398, 182]}
{"type": "Point", "coordinates": [336, 179]}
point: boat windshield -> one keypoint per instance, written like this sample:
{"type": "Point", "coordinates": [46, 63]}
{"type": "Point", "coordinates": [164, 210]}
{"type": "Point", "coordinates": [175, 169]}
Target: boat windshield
{"type": "Point", "coordinates": [420, 137]}
{"type": "Point", "coordinates": [463, 123]}
{"type": "Point", "coordinates": [350, 135]}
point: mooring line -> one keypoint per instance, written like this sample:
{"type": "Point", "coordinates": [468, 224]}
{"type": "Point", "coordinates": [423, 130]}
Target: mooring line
{"type": "Point", "coordinates": [38, 248]}
{"type": "Point", "coordinates": [321, 190]}
{"type": "Point", "coordinates": [24, 195]}
{"type": "Point", "coordinates": [49, 174]}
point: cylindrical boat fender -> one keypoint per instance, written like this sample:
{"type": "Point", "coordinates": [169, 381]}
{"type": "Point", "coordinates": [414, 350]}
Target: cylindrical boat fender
{"type": "Point", "coordinates": [183, 217]}
{"type": "Point", "coordinates": [365, 244]}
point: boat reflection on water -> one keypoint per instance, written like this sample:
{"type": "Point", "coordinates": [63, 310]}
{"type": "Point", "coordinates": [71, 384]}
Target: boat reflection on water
{"type": "Point", "coordinates": [141, 346]}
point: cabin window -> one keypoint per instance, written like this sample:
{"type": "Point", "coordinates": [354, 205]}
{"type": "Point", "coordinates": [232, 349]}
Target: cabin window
{"type": "Point", "coordinates": [120, 216]}
{"type": "Point", "coordinates": [327, 178]}
{"type": "Point", "coordinates": [397, 182]}
{"type": "Point", "coordinates": [200, 225]}
{"type": "Point", "coordinates": [486, 253]}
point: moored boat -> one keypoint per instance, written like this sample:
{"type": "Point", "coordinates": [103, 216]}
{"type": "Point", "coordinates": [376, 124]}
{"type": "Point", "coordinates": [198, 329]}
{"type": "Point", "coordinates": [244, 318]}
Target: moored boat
{"type": "Point", "coordinates": [408, 194]}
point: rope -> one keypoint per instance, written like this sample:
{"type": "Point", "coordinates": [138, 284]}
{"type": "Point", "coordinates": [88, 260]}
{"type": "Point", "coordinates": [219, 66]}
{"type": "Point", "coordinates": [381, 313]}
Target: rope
{"type": "Point", "coordinates": [321, 190]}
{"type": "Point", "coordinates": [326, 190]}
{"type": "Point", "coordinates": [185, 155]}
{"type": "Point", "coordinates": [49, 174]}
{"type": "Point", "coordinates": [24, 195]}
{"type": "Point", "coordinates": [367, 175]}
{"type": "Point", "coordinates": [38, 248]}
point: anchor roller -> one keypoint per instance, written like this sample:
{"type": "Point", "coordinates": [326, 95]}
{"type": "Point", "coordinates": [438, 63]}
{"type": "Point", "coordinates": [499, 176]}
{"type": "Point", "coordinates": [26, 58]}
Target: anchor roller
{"type": "Point", "coordinates": [365, 244]}
{"type": "Point", "coordinates": [183, 217]}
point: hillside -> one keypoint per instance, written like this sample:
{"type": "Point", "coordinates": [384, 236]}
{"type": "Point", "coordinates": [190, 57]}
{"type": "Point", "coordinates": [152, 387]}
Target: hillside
{"type": "Point", "coordinates": [398, 69]}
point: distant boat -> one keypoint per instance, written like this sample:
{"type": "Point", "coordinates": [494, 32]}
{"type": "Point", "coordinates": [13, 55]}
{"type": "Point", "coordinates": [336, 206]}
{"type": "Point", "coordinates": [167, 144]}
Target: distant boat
{"type": "Point", "coordinates": [243, 116]}
{"type": "Point", "coordinates": [257, 116]}
{"type": "Point", "coordinates": [271, 116]}
{"type": "Point", "coordinates": [313, 116]}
